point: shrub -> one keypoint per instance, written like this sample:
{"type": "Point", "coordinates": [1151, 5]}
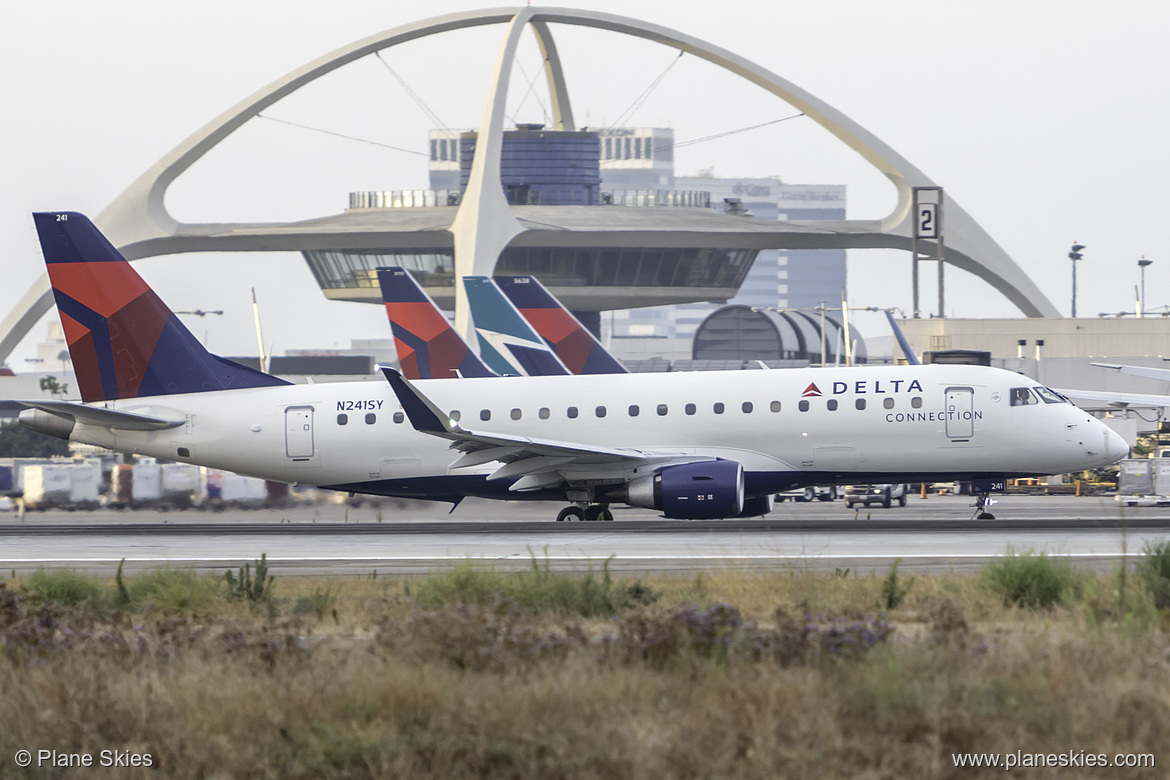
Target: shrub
{"type": "Point", "coordinates": [719, 633]}
{"type": "Point", "coordinates": [1154, 571]}
{"type": "Point", "coordinates": [247, 587]}
{"type": "Point", "coordinates": [894, 590]}
{"type": "Point", "coordinates": [537, 589]}
{"type": "Point", "coordinates": [319, 602]}
{"type": "Point", "coordinates": [179, 589]}
{"type": "Point", "coordinates": [1031, 579]}
{"type": "Point", "coordinates": [64, 586]}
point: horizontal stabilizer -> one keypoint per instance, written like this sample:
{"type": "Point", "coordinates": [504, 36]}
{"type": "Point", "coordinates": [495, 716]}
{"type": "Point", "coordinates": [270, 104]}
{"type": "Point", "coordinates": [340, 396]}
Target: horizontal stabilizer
{"type": "Point", "coordinates": [105, 418]}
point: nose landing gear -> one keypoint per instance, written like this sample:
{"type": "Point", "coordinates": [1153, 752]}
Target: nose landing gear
{"type": "Point", "coordinates": [587, 512]}
{"type": "Point", "coordinates": [983, 502]}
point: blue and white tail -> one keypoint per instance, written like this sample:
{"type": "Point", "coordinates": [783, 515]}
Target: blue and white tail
{"type": "Point", "coordinates": [123, 340]}
{"type": "Point", "coordinates": [507, 343]}
{"type": "Point", "coordinates": [573, 343]}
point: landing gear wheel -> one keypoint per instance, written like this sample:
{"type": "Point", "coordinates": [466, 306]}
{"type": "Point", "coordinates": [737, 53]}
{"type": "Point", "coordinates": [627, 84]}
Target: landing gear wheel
{"type": "Point", "coordinates": [983, 502]}
{"type": "Point", "coordinates": [571, 513]}
{"type": "Point", "coordinates": [598, 513]}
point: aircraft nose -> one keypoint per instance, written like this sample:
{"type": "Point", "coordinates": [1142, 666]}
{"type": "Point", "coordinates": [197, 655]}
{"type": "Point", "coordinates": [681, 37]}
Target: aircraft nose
{"type": "Point", "coordinates": [1116, 447]}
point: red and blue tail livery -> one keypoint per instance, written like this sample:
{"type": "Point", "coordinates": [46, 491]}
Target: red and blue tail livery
{"type": "Point", "coordinates": [123, 340]}
{"type": "Point", "coordinates": [564, 333]}
{"type": "Point", "coordinates": [428, 347]}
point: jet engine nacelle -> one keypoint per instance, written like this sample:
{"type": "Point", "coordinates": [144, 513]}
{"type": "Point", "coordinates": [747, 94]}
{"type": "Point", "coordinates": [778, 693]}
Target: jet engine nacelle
{"type": "Point", "coordinates": [691, 491]}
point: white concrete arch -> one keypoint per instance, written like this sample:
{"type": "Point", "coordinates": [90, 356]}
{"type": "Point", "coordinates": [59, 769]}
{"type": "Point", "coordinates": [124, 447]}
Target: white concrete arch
{"type": "Point", "coordinates": [138, 223]}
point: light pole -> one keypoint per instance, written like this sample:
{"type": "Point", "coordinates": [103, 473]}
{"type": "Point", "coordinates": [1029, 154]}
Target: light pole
{"type": "Point", "coordinates": [1074, 255]}
{"type": "Point", "coordinates": [1143, 264]}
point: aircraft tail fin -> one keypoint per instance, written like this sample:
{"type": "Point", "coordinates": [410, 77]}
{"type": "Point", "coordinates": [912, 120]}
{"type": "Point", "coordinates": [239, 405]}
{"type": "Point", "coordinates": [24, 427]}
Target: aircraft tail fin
{"type": "Point", "coordinates": [903, 342]}
{"type": "Point", "coordinates": [507, 343]}
{"type": "Point", "coordinates": [577, 348]}
{"type": "Point", "coordinates": [123, 340]}
{"type": "Point", "coordinates": [428, 347]}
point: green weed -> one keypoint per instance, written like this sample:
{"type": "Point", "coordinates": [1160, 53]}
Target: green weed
{"type": "Point", "coordinates": [63, 586]}
{"type": "Point", "coordinates": [1029, 579]}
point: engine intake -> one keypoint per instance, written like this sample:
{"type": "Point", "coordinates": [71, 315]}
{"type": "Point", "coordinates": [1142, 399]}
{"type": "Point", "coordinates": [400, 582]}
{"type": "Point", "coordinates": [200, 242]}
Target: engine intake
{"type": "Point", "coordinates": [691, 491]}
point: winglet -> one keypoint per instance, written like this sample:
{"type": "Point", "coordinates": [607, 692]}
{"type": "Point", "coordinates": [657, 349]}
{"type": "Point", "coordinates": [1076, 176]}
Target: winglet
{"type": "Point", "coordinates": [420, 410]}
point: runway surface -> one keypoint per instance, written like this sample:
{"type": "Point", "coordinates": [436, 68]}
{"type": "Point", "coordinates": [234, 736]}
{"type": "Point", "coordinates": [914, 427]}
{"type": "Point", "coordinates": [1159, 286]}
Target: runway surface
{"type": "Point", "coordinates": [935, 534]}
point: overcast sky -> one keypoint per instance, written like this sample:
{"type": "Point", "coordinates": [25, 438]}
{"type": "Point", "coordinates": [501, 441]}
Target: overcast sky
{"type": "Point", "coordinates": [1045, 120]}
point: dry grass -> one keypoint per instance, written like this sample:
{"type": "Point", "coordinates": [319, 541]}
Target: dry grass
{"type": "Point", "coordinates": [797, 679]}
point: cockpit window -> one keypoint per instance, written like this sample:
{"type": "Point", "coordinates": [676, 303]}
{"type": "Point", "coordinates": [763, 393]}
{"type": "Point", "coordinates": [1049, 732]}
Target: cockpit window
{"type": "Point", "coordinates": [1049, 396]}
{"type": "Point", "coordinates": [1022, 396]}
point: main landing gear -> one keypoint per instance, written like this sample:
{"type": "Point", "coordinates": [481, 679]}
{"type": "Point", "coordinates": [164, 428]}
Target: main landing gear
{"type": "Point", "coordinates": [983, 502]}
{"type": "Point", "coordinates": [586, 512]}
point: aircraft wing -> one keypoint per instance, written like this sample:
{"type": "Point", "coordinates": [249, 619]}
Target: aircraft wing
{"type": "Point", "coordinates": [1118, 399]}
{"type": "Point", "coordinates": [1151, 373]}
{"type": "Point", "coordinates": [539, 462]}
{"type": "Point", "coordinates": [105, 418]}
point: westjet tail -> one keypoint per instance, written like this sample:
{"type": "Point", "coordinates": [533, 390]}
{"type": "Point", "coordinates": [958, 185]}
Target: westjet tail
{"type": "Point", "coordinates": [573, 343]}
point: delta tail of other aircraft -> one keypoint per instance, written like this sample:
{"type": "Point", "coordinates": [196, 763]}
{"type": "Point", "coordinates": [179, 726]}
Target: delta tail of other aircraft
{"type": "Point", "coordinates": [692, 445]}
{"type": "Point", "coordinates": [546, 339]}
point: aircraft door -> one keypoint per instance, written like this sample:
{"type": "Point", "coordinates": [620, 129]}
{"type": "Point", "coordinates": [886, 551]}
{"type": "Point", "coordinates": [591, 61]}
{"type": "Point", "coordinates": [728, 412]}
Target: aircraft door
{"type": "Point", "coordinates": [960, 407]}
{"type": "Point", "coordinates": [298, 432]}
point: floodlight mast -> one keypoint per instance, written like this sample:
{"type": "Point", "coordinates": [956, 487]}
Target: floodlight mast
{"type": "Point", "coordinates": [1074, 255]}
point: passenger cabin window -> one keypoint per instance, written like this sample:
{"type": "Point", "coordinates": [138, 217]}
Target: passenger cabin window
{"type": "Point", "coordinates": [859, 403]}
{"type": "Point", "coordinates": [634, 410]}
{"type": "Point", "coordinates": [802, 406]}
{"type": "Point", "coordinates": [600, 411]}
{"type": "Point", "coordinates": [516, 414]}
{"type": "Point", "coordinates": [690, 409]}
{"type": "Point", "coordinates": [1022, 396]}
{"type": "Point", "coordinates": [775, 406]}
{"type": "Point", "coordinates": [1049, 396]}
{"type": "Point", "coordinates": [571, 413]}
{"type": "Point", "coordinates": [342, 419]}
{"type": "Point", "coordinates": [455, 415]}
{"type": "Point", "coordinates": [747, 407]}
{"type": "Point", "coordinates": [543, 413]}
{"type": "Point", "coordinates": [718, 408]}
{"type": "Point", "coordinates": [371, 418]}
{"type": "Point", "coordinates": [916, 402]}
{"type": "Point", "coordinates": [485, 414]}
{"type": "Point", "coordinates": [662, 410]}
{"type": "Point", "coordinates": [888, 403]}
{"type": "Point", "coordinates": [399, 417]}
{"type": "Point", "coordinates": [831, 404]}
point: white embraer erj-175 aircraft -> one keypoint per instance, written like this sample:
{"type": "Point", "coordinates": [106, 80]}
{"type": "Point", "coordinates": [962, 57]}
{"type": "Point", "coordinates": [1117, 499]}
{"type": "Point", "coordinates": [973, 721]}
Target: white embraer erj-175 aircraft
{"type": "Point", "coordinates": [692, 445]}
